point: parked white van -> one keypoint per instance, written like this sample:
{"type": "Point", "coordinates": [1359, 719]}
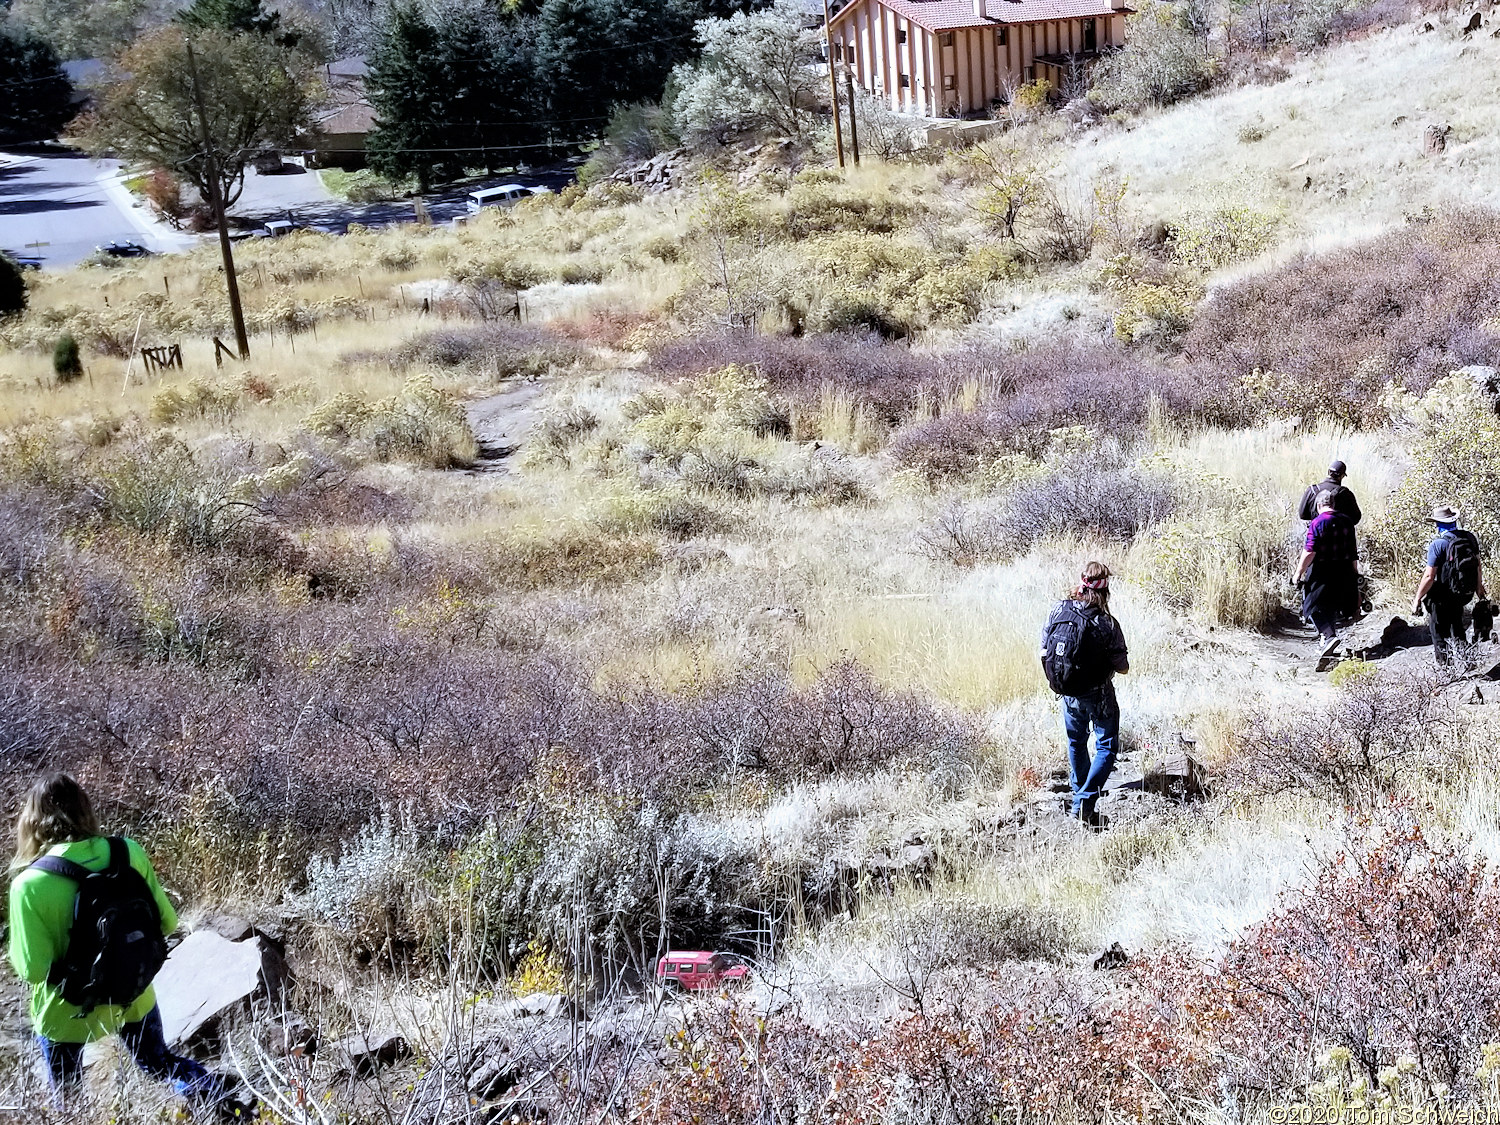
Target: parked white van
{"type": "Point", "coordinates": [506, 195]}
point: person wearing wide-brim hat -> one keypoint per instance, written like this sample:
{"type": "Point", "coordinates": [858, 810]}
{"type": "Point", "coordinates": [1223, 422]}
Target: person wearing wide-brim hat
{"type": "Point", "coordinates": [1454, 575]}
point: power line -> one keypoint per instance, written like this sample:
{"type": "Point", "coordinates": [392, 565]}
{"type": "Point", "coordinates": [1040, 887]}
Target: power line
{"type": "Point", "coordinates": [33, 81]}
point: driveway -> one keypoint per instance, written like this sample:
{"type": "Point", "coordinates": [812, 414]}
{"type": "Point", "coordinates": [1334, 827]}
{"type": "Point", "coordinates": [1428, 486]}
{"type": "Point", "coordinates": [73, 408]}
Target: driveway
{"type": "Point", "coordinates": [293, 189]}
{"type": "Point", "coordinates": [58, 205]}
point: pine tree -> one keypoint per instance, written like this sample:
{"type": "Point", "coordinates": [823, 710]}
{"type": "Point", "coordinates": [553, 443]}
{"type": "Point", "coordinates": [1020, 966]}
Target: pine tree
{"type": "Point", "coordinates": [66, 363]}
{"type": "Point", "coordinates": [596, 54]}
{"type": "Point", "coordinates": [570, 64]}
{"type": "Point", "coordinates": [12, 287]}
{"type": "Point", "coordinates": [452, 93]}
{"type": "Point", "coordinates": [230, 15]}
{"type": "Point", "coordinates": [34, 91]}
{"type": "Point", "coordinates": [404, 88]}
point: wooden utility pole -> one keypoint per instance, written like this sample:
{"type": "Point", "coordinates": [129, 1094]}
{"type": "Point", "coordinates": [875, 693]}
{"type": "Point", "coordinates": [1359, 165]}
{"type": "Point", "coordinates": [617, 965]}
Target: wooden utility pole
{"type": "Point", "coordinates": [853, 117]}
{"type": "Point", "coordinates": [216, 199]}
{"type": "Point", "coordinates": [833, 83]}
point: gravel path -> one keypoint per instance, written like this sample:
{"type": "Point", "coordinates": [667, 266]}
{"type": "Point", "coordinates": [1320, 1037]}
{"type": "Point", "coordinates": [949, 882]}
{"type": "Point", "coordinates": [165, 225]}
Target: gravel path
{"type": "Point", "coordinates": [501, 422]}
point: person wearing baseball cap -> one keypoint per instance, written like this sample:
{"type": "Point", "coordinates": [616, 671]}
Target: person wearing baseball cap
{"type": "Point", "coordinates": [1453, 576]}
{"type": "Point", "coordinates": [1343, 498]}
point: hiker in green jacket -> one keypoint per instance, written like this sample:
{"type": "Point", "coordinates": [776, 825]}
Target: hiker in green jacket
{"type": "Point", "coordinates": [57, 830]}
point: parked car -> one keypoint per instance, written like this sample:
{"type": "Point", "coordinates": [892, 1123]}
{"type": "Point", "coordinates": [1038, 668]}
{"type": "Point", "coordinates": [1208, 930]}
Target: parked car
{"type": "Point", "coordinates": [124, 250]}
{"type": "Point", "coordinates": [506, 195]}
{"type": "Point", "coordinates": [24, 261]}
{"type": "Point", "coordinates": [698, 969]}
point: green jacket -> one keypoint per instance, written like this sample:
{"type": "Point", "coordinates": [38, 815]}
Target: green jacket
{"type": "Point", "coordinates": [41, 915]}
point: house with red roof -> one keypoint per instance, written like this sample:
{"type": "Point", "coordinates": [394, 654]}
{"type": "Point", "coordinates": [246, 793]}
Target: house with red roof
{"type": "Point", "coordinates": [950, 58]}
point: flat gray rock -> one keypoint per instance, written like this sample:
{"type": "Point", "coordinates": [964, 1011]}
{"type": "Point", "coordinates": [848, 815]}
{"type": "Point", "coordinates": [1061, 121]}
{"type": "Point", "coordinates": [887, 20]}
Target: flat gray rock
{"type": "Point", "coordinates": [203, 978]}
{"type": "Point", "coordinates": [367, 1053]}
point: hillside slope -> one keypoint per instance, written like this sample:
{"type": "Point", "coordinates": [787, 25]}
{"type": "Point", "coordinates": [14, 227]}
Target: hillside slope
{"type": "Point", "coordinates": [1340, 140]}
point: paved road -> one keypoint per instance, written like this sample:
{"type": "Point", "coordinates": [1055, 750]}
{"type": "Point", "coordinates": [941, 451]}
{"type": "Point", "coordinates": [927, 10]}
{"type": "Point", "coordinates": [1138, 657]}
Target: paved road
{"type": "Point", "coordinates": [302, 199]}
{"type": "Point", "coordinates": [73, 204]}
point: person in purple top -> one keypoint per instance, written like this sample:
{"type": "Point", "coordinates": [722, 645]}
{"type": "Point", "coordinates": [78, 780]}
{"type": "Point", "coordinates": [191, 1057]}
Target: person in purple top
{"type": "Point", "coordinates": [1330, 566]}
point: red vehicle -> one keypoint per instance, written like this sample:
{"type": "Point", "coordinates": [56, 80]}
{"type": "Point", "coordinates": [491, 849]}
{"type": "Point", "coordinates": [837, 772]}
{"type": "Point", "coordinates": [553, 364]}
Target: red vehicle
{"type": "Point", "coordinates": [691, 971]}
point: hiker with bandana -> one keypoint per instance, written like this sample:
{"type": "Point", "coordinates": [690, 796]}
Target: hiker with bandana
{"type": "Point", "coordinates": [1082, 649]}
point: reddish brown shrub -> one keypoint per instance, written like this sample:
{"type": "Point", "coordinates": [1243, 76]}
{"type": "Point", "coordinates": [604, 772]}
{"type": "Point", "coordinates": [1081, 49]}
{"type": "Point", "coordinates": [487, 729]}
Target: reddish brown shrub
{"type": "Point", "coordinates": [886, 378]}
{"type": "Point", "coordinates": [1032, 1049]}
{"type": "Point", "coordinates": [1393, 950]}
{"type": "Point", "coordinates": [1375, 735]}
{"type": "Point", "coordinates": [1029, 394]}
{"type": "Point", "coordinates": [498, 349]}
{"type": "Point", "coordinates": [1329, 330]}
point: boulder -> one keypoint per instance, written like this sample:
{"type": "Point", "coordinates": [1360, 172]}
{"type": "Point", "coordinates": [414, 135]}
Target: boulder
{"type": "Point", "coordinates": [1112, 958]}
{"type": "Point", "coordinates": [1435, 139]}
{"type": "Point", "coordinates": [230, 927]}
{"type": "Point", "coordinates": [363, 1055]}
{"type": "Point", "coordinates": [495, 1076]}
{"type": "Point", "coordinates": [1375, 638]}
{"type": "Point", "coordinates": [290, 1035]}
{"type": "Point", "coordinates": [1475, 22]}
{"type": "Point", "coordinates": [209, 977]}
{"type": "Point", "coordinates": [1180, 777]}
{"type": "Point", "coordinates": [544, 1005]}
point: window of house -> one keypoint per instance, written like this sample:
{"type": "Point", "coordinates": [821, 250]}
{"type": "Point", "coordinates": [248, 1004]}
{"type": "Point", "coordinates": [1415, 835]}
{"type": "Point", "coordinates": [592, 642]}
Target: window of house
{"type": "Point", "coordinates": [1002, 36]}
{"type": "Point", "coordinates": [905, 81]}
{"type": "Point", "coordinates": [946, 39]}
{"type": "Point", "coordinates": [900, 37]}
{"type": "Point", "coordinates": [1030, 74]}
{"type": "Point", "coordinates": [948, 82]}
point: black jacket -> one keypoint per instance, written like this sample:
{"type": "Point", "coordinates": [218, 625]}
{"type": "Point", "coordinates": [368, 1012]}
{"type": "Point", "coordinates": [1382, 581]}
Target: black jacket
{"type": "Point", "coordinates": [1343, 501]}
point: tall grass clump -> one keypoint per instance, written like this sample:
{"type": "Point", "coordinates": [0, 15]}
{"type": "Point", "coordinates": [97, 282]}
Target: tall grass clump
{"type": "Point", "coordinates": [421, 423]}
{"type": "Point", "coordinates": [1223, 559]}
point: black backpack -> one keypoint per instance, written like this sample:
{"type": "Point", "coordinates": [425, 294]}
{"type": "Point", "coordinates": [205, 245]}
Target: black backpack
{"type": "Point", "coordinates": [1073, 665]}
{"type": "Point", "coordinates": [115, 947]}
{"type": "Point", "coordinates": [1458, 566]}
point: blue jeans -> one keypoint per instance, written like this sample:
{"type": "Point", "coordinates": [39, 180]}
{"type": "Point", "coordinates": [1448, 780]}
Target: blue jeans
{"type": "Point", "coordinates": [1099, 711]}
{"type": "Point", "coordinates": [147, 1044]}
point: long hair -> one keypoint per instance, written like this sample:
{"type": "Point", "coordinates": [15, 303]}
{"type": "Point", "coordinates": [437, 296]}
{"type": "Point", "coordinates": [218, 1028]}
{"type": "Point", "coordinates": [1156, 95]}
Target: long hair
{"type": "Point", "coordinates": [56, 811]}
{"type": "Point", "coordinates": [1093, 586]}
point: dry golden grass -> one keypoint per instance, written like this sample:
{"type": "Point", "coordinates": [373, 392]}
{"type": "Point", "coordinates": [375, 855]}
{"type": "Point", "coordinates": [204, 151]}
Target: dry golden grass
{"type": "Point", "coordinates": [852, 569]}
{"type": "Point", "coordinates": [1342, 146]}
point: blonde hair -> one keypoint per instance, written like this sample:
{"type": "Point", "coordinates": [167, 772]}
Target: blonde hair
{"type": "Point", "coordinates": [56, 811]}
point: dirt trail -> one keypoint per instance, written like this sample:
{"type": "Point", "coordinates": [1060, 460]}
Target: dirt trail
{"type": "Point", "coordinates": [502, 422]}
